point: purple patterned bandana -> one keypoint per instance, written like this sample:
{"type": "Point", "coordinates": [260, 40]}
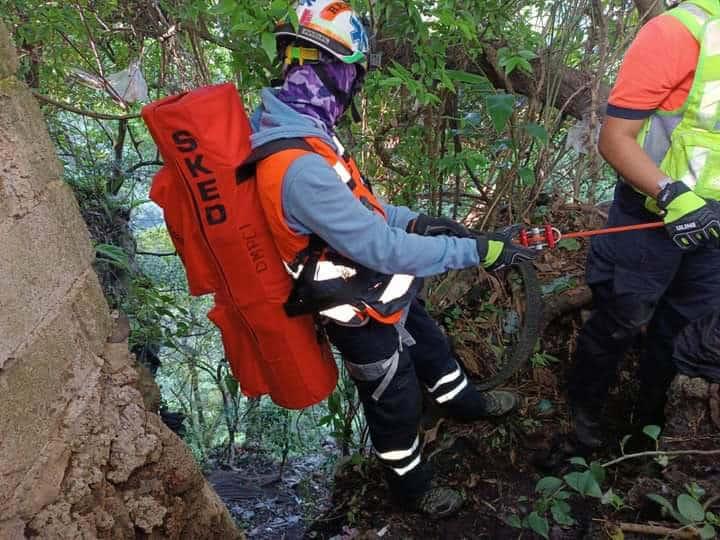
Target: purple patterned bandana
{"type": "Point", "coordinates": [304, 92]}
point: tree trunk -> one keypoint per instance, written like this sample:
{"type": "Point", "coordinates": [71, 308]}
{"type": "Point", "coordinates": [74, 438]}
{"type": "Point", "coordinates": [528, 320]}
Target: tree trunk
{"type": "Point", "coordinates": [80, 455]}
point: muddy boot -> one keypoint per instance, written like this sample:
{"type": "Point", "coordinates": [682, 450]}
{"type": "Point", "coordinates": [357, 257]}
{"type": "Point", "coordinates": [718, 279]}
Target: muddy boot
{"type": "Point", "coordinates": [472, 405]}
{"type": "Point", "coordinates": [437, 502]}
{"type": "Point", "coordinates": [556, 457]}
{"type": "Point", "coordinates": [588, 429]}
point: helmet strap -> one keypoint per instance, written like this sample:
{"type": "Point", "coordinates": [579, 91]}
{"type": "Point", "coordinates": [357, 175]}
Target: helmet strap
{"type": "Point", "coordinates": [300, 55]}
{"type": "Point", "coordinates": [354, 111]}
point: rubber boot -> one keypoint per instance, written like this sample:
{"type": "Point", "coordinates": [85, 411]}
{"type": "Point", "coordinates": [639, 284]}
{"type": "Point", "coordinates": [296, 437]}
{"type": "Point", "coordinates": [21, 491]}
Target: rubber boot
{"type": "Point", "coordinates": [415, 493]}
{"type": "Point", "coordinates": [587, 427]}
{"type": "Point", "coordinates": [437, 502]}
{"type": "Point", "coordinates": [472, 405]}
{"type": "Point", "coordinates": [584, 438]}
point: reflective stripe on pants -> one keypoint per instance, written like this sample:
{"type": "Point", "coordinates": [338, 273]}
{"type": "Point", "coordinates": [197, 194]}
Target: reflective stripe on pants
{"type": "Point", "coordinates": [386, 374]}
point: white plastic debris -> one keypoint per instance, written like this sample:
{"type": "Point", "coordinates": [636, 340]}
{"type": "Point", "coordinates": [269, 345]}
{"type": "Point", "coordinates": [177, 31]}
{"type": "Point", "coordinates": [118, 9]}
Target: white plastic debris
{"type": "Point", "coordinates": [127, 85]}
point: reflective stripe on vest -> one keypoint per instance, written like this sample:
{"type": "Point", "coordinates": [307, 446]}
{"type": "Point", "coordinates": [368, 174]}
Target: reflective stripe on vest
{"type": "Point", "coordinates": [383, 297]}
{"type": "Point", "coordinates": [685, 143]}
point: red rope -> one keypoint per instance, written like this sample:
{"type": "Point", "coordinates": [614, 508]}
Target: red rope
{"type": "Point", "coordinates": [612, 230]}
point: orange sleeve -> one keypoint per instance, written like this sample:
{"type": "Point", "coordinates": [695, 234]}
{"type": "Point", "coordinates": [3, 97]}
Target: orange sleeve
{"type": "Point", "coordinates": [657, 70]}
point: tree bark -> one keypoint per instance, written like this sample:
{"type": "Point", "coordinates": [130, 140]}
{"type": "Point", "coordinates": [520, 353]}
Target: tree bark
{"type": "Point", "coordinates": [81, 455]}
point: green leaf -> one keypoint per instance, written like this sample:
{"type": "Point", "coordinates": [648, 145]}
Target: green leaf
{"type": "Point", "coordinates": [113, 255]}
{"type": "Point", "coordinates": [390, 81]}
{"type": "Point", "coordinates": [269, 45]}
{"type": "Point", "coordinates": [544, 406]}
{"type": "Point", "coordinates": [511, 63]}
{"type": "Point", "coordinates": [652, 431]}
{"type": "Point", "coordinates": [514, 521]}
{"type": "Point", "coordinates": [469, 78]}
{"type": "Point", "coordinates": [524, 65]}
{"type": "Point", "coordinates": [561, 513]}
{"type": "Point", "coordinates": [537, 131]}
{"type": "Point", "coordinates": [667, 505]}
{"type": "Point", "coordinates": [231, 384]}
{"type": "Point", "coordinates": [584, 483]}
{"type": "Point", "coordinates": [538, 524]}
{"type": "Point", "coordinates": [695, 491]}
{"type": "Point", "coordinates": [707, 532]}
{"type": "Point", "coordinates": [548, 484]}
{"type": "Point", "coordinates": [569, 244]}
{"type": "Point", "coordinates": [690, 508]}
{"type": "Point", "coordinates": [527, 175]}
{"type": "Point", "coordinates": [611, 498]}
{"type": "Point", "coordinates": [278, 9]}
{"type": "Point", "coordinates": [500, 107]}
{"type": "Point", "coordinates": [598, 472]}
{"type": "Point", "coordinates": [579, 461]}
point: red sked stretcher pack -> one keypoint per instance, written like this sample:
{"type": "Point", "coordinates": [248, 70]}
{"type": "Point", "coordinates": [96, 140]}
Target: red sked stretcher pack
{"type": "Point", "coordinates": [220, 232]}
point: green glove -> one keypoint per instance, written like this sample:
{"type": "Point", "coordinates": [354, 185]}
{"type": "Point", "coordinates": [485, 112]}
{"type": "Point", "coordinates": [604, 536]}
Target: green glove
{"type": "Point", "coordinates": [690, 220]}
{"type": "Point", "coordinates": [497, 250]}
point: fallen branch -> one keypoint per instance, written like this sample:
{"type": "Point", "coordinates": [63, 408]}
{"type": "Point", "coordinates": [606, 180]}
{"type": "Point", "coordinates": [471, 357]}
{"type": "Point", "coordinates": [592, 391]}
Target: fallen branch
{"type": "Point", "coordinates": [657, 530]}
{"type": "Point", "coordinates": [91, 114]}
{"type": "Point", "coordinates": [661, 453]}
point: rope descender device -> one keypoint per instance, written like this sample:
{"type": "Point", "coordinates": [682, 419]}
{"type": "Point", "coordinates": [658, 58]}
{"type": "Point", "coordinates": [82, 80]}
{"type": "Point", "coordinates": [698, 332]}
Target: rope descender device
{"type": "Point", "coordinates": [539, 238]}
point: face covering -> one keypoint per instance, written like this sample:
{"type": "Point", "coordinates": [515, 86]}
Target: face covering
{"type": "Point", "coordinates": [304, 92]}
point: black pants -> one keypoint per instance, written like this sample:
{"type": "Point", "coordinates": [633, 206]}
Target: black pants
{"type": "Point", "coordinates": [386, 374]}
{"type": "Point", "coordinates": [640, 280]}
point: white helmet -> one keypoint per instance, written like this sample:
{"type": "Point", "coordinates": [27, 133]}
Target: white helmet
{"type": "Point", "coordinates": [330, 25]}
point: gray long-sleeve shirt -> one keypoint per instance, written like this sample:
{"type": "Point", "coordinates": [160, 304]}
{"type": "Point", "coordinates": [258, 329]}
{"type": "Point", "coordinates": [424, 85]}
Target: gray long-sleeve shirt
{"type": "Point", "coordinates": [315, 200]}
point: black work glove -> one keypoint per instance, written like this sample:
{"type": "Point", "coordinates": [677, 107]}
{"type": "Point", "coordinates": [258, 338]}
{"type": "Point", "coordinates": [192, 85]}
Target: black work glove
{"type": "Point", "coordinates": [690, 220]}
{"type": "Point", "coordinates": [434, 226]}
{"type": "Point", "coordinates": [498, 251]}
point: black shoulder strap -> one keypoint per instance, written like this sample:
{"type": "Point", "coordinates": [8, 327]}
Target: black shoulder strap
{"type": "Point", "coordinates": [247, 168]}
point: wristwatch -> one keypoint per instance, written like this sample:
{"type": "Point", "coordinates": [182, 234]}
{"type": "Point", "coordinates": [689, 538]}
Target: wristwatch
{"type": "Point", "coordinates": [664, 182]}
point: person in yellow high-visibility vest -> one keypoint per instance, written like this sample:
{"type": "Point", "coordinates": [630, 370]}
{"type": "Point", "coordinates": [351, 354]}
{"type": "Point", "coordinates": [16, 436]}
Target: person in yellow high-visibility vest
{"type": "Point", "coordinates": [662, 135]}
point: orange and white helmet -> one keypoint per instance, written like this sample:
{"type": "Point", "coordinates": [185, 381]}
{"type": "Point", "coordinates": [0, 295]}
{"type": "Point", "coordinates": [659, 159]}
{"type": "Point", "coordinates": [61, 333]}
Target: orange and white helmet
{"type": "Point", "coordinates": [331, 26]}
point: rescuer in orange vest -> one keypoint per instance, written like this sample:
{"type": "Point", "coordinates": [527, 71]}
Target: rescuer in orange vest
{"type": "Point", "coordinates": [359, 262]}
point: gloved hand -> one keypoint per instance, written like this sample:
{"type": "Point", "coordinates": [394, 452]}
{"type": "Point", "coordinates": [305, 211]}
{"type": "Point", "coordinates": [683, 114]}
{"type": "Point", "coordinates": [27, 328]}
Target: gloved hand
{"type": "Point", "coordinates": [434, 226]}
{"type": "Point", "coordinates": [689, 219]}
{"type": "Point", "coordinates": [498, 251]}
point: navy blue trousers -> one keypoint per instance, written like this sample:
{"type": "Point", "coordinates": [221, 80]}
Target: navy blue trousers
{"type": "Point", "coordinates": [393, 417]}
{"type": "Point", "coordinates": [643, 286]}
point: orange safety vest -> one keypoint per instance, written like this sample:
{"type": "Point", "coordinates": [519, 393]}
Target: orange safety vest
{"type": "Point", "coordinates": [326, 282]}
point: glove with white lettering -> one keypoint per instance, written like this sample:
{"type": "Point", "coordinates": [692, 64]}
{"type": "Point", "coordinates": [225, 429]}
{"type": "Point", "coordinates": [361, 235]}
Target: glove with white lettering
{"type": "Point", "coordinates": [690, 220]}
{"type": "Point", "coordinates": [498, 251]}
{"type": "Point", "coordinates": [434, 226]}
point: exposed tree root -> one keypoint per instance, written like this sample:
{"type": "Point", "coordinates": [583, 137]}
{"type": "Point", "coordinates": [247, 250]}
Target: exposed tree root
{"type": "Point", "coordinates": [563, 303]}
